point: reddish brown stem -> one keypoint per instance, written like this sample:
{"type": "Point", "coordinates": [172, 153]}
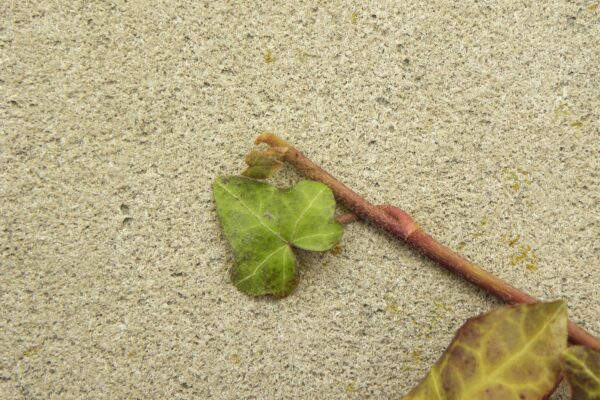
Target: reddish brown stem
{"type": "Point", "coordinates": [400, 225]}
{"type": "Point", "coordinates": [346, 218]}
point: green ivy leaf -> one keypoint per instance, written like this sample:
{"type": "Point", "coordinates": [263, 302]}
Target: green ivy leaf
{"type": "Point", "coordinates": [511, 353]}
{"type": "Point", "coordinates": [262, 223]}
{"type": "Point", "coordinates": [582, 369]}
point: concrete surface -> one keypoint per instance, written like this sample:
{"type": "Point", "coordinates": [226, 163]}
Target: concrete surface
{"type": "Point", "coordinates": [479, 118]}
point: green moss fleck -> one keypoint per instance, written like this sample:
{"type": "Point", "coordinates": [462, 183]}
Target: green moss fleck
{"type": "Point", "coordinates": [561, 111]}
{"type": "Point", "coordinates": [531, 267]}
{"type": "Point", "coordinates": [31, 351]}
{"type": "Point", "coordinates": [392, 308]}
{"type": "Point", "coordinates": [566, 115]}
{"type": "Point", "coordinates": [521, 255]}
{"type": "Point", "coordinates": [577, 124]}
{"type": "Point", "coordinates": [416, 356]}
{"type": "Point", "coordinates": [268, 57]}
{"type": "Point", "coordinates": [354, 18]}
{"type": "Point", "coordinates": [515, 185]}
{"type": "Point", "coordinates": [390, 305]}
{"type": "Point", "coordinates": [511, 242]}
{"type": "Point", "coordinates": [303, 57]}
{"type": "Point", "coordinates": [525, 255]}
{"type": "Point", "coordinates": [350, 388]}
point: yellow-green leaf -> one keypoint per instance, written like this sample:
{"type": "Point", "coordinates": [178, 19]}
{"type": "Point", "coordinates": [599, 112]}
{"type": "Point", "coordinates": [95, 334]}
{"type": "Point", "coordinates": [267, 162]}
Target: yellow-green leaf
{"type": "Point", "coordinates": [262, 223]}
{"type": "Point", "coordinates": [511, 353]}
{"type": "Point", "coordinates": [582, 369]}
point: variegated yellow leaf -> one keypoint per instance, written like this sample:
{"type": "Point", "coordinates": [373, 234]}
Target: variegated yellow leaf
{"type": "Point", "coordinates": [511, 353]}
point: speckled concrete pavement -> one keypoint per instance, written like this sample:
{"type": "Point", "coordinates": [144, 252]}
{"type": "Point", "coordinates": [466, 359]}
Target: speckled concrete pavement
{"type": "Point", "coordinates": [481, 119]}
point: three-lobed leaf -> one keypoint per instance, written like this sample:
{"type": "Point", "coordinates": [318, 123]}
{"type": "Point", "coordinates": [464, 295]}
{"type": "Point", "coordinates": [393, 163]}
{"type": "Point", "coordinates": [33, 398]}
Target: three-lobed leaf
{"type": "Point", "coordinates": [511, 353]}
{"type": "Point", "coordinates": [582, 370]}
{"type": "Point", "coordinates": [262, 223]}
